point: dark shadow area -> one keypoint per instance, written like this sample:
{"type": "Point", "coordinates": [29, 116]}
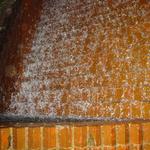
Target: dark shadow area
{"type": "Point", "coordinates": [9, 11]}
{"type": "Point", "coordinates": [7, 121]}
{"type": "Point", "coordinates": [17, 23]}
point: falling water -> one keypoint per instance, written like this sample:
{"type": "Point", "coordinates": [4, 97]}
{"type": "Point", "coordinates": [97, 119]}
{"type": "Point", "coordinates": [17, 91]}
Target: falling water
{"type": "Point", "coordinates": [89, 59]}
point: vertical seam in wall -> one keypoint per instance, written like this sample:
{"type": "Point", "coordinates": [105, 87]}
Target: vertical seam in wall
{"type": "Point", "coordinates": [41, 134]}
{"type": "Point", "coordinates": [102, 141]}
{"type": "Point", "coordinates": [141, 136]}
{"type": "Point", "coordinates": [127, 141]}
{"type": "Point", "coordinates": [114, 136]}
{"type": "Point", "coordinates": [26, 138]}
{"type": "Point", "coordinates": [88, 146]}
{"type": "Point", "coordinates": [100, 137]}
{"type": "Point", "coordinates": [57, 137]}
{"type": "Point", "coordinates": [116, 130]}
{"type": "Point", "coordinates": [10, 138]}
{"type": "Point", "coordinates": [72, 144]}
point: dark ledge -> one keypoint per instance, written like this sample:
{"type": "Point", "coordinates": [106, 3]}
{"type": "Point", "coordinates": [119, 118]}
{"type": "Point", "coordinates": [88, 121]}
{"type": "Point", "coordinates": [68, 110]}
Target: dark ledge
{"type": "Point", "coordinates": [19, 121]}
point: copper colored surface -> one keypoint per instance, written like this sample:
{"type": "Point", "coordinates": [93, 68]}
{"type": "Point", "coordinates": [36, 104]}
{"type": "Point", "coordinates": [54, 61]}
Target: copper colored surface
{"type": "Point", "coordinates": [78, 60]}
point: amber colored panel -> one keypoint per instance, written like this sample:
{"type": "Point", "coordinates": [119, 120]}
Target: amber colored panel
{"type": "Point", "coordinates": [80, 136]}
{"type": "Point", "coordinates": [127, 135]}
{"type": "Point", "coordinates": [146, 133]}
{"type": "Point", "coordinates": [134, 134]}
{"type": "Point", "coordinates": [19, 138]}
{"type": "Point", "coordinates": [34, 138]}
{"type": "Point", "coordinates": [120, 134]}
{"type": "Point", "coordinates": [107, 135]}
{"type": "Point", "coordinates": [94, 138]}
{"type": "Point", "coordinates": [49, 137]}
{"type": "Point", "coordinates": [65, 136]}
{"type": "Point", "coordinates": [4, 138]}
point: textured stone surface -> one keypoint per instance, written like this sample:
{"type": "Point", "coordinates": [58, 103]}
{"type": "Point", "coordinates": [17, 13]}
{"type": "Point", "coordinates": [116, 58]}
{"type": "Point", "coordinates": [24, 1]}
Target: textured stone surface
{"type": "Point", "coordinates": [87, 59]}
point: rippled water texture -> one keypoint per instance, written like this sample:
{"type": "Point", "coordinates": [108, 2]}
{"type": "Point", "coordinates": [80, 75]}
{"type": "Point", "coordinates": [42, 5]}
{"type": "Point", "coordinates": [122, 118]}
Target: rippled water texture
{"type": "Point", "coordinates": [88, 59]}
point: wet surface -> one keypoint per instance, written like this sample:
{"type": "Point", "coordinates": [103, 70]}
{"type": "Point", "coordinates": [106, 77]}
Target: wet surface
{"type": "Point", "coordinates": [78, 61]}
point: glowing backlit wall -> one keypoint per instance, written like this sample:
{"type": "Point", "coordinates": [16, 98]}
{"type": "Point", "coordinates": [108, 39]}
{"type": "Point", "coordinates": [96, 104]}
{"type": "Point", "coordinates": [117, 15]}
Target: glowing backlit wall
{"type": "Point", "coordinates": [87, 58]}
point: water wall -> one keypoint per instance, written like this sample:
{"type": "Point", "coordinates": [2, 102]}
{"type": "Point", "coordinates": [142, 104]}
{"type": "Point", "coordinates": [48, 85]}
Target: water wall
{"type": "Point", "coordinates": [79, 60]}
{"type": "Point", "coordinates": [65, 64]}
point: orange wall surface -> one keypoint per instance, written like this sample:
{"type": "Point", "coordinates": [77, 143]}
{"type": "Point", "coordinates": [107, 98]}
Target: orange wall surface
{"type": "Point", "coordinates": [131, 136]}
